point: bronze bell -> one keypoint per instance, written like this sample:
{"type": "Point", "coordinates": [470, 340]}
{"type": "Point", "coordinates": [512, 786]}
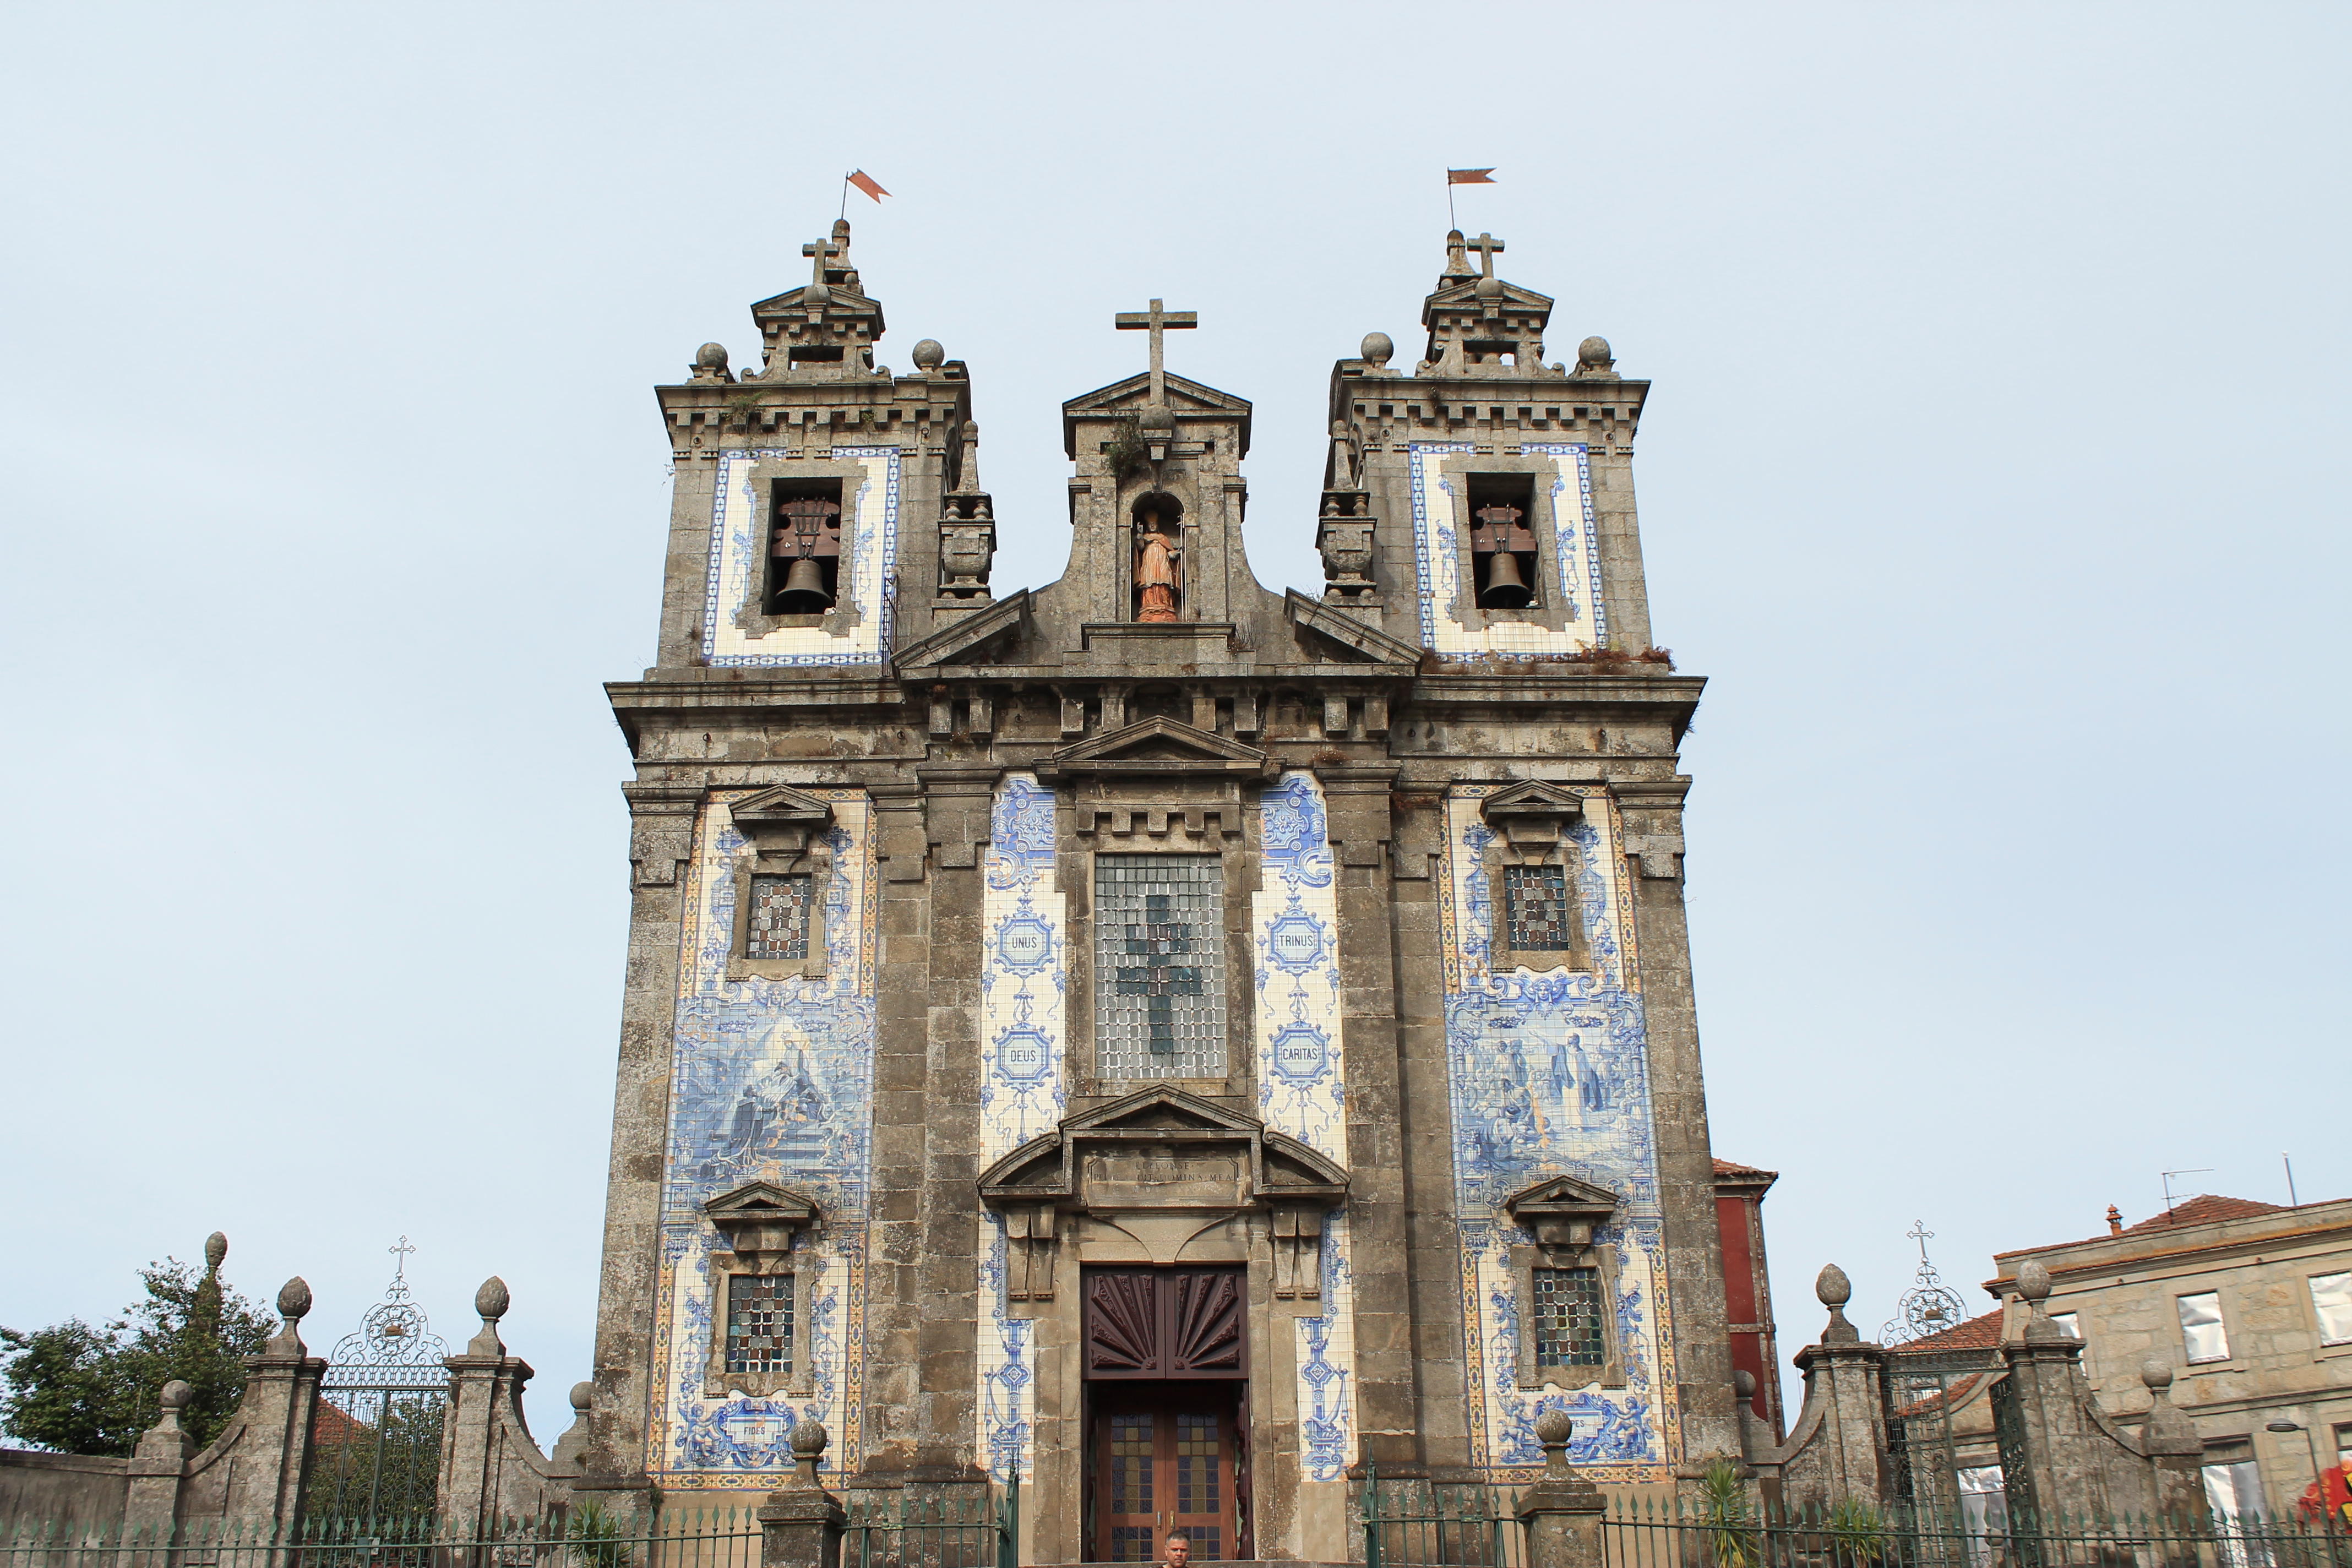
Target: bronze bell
{"type": "Point", "coordinates": [804, 592]}
{"type": "Point", "coordinates": [1505, 588]}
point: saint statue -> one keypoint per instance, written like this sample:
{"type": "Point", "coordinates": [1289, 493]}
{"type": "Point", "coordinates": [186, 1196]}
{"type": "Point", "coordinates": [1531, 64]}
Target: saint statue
{"type": "Point", "coordinates": [1157, 573]}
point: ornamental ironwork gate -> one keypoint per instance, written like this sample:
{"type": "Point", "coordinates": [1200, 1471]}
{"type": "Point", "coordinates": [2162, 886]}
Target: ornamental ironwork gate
{"type": "Point", "coordinates": [375, 1438]}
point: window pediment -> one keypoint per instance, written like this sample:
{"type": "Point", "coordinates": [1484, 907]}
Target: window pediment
{"type": "Point", "coordinates": [1168, 1124]}
{"type": "Point", "coordinates": [1562, 1212]}
{"type": "Point", "coordinates": [1158, 746]}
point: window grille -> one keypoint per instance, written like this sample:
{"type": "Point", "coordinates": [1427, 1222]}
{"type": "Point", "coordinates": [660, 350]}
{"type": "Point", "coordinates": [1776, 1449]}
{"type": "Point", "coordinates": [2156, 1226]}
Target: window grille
{"type": "Point", "coordinates": [760, 1323]}
{"type": "Point", "coordinates": [780, 917]}
{"type": "Point", "coordinates": [2201, 1335]}
{"type": "Point", "coordinates": [1568, 1330]}
{"type": "Point", "coordinates": [2331, 1303]}
{"type": "Point", "coordinates": [1160, 968]}
{"type": "Point", "coordinates": [1536, 905]}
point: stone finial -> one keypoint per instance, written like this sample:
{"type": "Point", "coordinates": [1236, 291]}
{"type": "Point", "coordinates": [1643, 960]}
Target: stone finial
{"type": "Point", "coordinates": [710, 356]}
{"type": "Point", "coordinates": [809, 1439]}
{"type": "Point", "coordinates": [2034, 1289]}
{"type": "Point", "coordinates": [2156, 1375]}
{"type": "Point", "coordinates": [1743, 1382]}
{"type": "Point", "coordinates": [175, 1397]}
{"type": "Point", "coordinates": [491, 1302]}
{"type": "Point", "coordinates": [1553, 1430]}
{"type": "Point", "coordinates": [2167, 1430]}
{"type": "Point", "coordinates": [293, 1306]}
{"type": "Point", "coordinates": [582, 1395]}
{"type": "Point", "coordinates": [216, 1251]}
{"type": "Point", "coordinates": [1378, 349]}
{"type": "Point", "coordinates": [1834, 1291]}
{"type": "Point", "coordinates": [930, 355]}
{"type": "Point", "coordinates": [2034, 1282]}
{"type": "Point", "coordinates": [1592, 358]}
{"type": "Point", "coordinates": [167, 1439]}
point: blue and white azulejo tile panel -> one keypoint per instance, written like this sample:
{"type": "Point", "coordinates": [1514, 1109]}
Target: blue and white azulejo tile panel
{"type": "Point", "coordinates": [1295, 944]}
{"type": "Point", "coordinates": [869, 566]}
{"type": "Point", "coordinates": [1567, 480]}
{"type": "Point", "coordinates": [1025, 985]}
{"type": "Point", "coordinates": [770, 1080]}
{"type": "Point", "coordinates": [1549, 1074]}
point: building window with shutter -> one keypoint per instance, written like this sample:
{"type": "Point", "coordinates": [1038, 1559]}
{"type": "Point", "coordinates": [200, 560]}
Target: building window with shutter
{"type": "Point", "coordinates": [2331, 1303]}
{"type": "Point", "coordinates": [1159, 967]}
{"type": "Point", "coordinates": [2201, 1335]}
{"type": "Point", "coordinates": [780, 917]}
{"type": "Point", "coordinates": [1569, 1331]}
{"type": "Point", "coordinates": [759, 1324]}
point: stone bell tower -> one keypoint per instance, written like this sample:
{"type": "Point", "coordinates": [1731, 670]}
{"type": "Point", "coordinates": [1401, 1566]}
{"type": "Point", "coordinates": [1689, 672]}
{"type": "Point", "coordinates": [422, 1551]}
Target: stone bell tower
{"type": "Point", "coordinates": [1151, 1035]}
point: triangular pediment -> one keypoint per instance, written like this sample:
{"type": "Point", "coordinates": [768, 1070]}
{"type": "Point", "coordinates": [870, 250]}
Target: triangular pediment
{"type": "Point", "coordinates": [1465, 292]}
{"type": "Point", "coordinates": [761, 1200]}
{"type": "Point", "coordinates": [780, 807]}
{"type": "Point", "coordinates": [1157, 745]}
{"type": "Point", "coordinates": [1533, 797]}
{"type": "Point", "coordinates": [1183, 396]}
{"type": "Point", "coordinates": [1161, 1109]}
{"type": "Point", "coordinates": [1282, 1169]}
{"type": "Point", "coordinates": [1566, 1196]}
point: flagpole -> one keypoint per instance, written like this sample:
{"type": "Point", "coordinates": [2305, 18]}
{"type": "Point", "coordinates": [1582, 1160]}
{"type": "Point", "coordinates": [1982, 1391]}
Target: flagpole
{"type": "Point", "coordinates": [1449, 201]}
{"type": "Point", "coordinates": [845, 195]}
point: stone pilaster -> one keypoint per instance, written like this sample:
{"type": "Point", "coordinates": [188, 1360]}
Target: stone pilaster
{"type": "Point", "coordinates": [894, 1300]}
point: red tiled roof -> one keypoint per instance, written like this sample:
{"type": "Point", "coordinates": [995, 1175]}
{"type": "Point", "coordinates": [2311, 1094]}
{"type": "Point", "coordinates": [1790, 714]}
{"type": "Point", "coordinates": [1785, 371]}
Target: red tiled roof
{"type": "Point", "coordinates": [2207, 1209]}
{"type": "Point", "coordinates": [1747, 1172]}
{"type": "Point", "coordinates": [1982, 1333]}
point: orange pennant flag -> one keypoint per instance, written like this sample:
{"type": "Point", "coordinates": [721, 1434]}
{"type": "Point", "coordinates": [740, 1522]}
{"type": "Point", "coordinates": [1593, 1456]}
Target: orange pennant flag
{"type": "Point", "coordinates": [866, 182]}
{"type": "Point", "coordinates": [1469, 177]}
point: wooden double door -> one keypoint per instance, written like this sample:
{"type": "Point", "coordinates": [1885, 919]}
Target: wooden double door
{"type": "Point", "coordinates": [1167, 1406]}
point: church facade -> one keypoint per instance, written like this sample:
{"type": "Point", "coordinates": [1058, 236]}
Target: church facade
{"type": "Point", "coordinates": [1177, 1043]}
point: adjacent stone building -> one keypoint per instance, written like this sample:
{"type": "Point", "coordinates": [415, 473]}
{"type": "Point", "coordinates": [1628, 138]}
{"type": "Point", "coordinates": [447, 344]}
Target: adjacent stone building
{"type": "Point", "coordinates": [1176, 1042]}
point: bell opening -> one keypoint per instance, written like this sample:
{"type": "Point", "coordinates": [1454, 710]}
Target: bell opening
{"type": "Point", "coordinates": [803, 548]}
{"type": "Point", "coordinates": [1503, 540]}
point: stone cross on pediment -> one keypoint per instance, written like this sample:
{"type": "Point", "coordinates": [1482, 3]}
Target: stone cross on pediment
{"type": "Point", "coordinates": [1155, 321]}
{"type": "Point", "coordinates": [1485, 245]}
{"type": "Point", "coordinates": [823, 250]}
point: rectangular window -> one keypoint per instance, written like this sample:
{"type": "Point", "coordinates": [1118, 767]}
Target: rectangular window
{"type": "Point", "coordinates": [2234, 1492]}
{"type": "Point", "coordinates": [760, 1323]}
{"type": "Point", "coordinates": [2201, 1328]}
{"type": "Point", "coordinates": [2331, 1303]}
{"type": "Point", "coordinates": [2069, 1324]}
{"type": "Point", "coordinates": [780, 917]}
{"type": "Point", "coordinates": [1984, 1513]}
{"type": "Point", "coordinates": [1568, 1318]}
{"type": "Point", "coordinates": [1536, 905]}
{"type": "Point", "coordinates": [1159, 967]}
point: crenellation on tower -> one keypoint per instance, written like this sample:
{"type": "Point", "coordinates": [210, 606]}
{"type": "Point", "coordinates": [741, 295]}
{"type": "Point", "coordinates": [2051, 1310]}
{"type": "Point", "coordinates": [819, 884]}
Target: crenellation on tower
{"type": "Point", "coordinates": [1171, 994]}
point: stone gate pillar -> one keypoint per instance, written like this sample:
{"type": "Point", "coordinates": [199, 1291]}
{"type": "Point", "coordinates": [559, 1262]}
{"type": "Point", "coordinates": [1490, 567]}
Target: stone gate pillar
{"type": "Point", "coordinates": [800, 1524]}
{"type": "Point", "coordinates": [1563, 1512]}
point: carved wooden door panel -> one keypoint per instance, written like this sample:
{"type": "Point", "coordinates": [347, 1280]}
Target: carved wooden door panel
{"type": "Point", "coordinates": [1164, 1461]}
{"type": "Point", "coordinates": [1156, 1323]}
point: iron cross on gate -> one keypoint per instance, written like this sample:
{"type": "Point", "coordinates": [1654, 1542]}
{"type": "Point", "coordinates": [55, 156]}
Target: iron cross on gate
{"type": "Point", "coordinates": [1157, 979]}
{"type": "Point", "coordinates": [1156, 321]}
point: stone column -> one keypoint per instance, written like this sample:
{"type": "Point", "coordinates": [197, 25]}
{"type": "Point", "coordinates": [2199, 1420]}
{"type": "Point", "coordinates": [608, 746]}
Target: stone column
{"type": "Point", "coordinates": [1562, 1511]}
{"type": "Point", "coordinates": [482, 1383]}
{"type": "Point", "coordinates": [800, 1524]}
{"type": "Point", "coordinates": [151, 1510]}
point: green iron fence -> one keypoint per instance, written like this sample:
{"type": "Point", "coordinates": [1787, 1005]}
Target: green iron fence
{"type": "Point", "coordinates": [1649, 1534]}
{"type": "Point", "coordinates": [964, 1527]}
{"type": "Point", "coordinates": [1439, 1524]}
{"type": "Point", "coordinates": [587, 1537]}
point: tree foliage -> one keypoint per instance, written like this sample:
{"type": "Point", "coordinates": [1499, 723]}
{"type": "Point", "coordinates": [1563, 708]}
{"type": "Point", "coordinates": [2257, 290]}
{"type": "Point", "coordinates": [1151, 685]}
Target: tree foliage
{"type": "Point", "coordinates": [78, 1389]}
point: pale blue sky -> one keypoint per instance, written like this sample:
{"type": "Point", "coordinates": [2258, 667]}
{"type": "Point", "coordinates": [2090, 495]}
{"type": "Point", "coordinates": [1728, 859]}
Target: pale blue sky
{"type": "Point", "coordinates": [1993, 475]}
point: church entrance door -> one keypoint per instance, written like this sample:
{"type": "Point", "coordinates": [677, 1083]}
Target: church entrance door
{"type": "Point", "coordinates": [1166, 1368]}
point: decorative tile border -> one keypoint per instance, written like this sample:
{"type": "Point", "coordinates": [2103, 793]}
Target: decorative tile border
{"type": "Point", "coordinates": [1025, 984]}
{"type": "Point", "coordinates": [770, 1080]}
{"type": "Point", "coordinates": [1436, 551]}
{"type": "Point", "coordinates": [869, 568]}
{"type": "Point", "coordinates": [1549, 1074]}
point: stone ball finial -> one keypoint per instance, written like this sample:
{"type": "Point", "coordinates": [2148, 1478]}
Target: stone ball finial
{"type": "Point", "coordinates": [1744, 1381]}
{"type": "Point", "coordinates": [2034, 1282]}
{"type": "Point", "coordinates": [1490, 288]}
{"type": "Point", "coordinates": [1377, 348]}
{"type": "Point", "coordinates": [809, 1439]}
{"type": "Point", "coordinates": [929, 354]}
{"type": "Point", "coordinates": [711, 356]}
{"type": "Point", "coordinates": [2155, 1374]}
{"type": "Point", "coordinates": [1593, 352]}
{"type": "Point", "coordinates": [492, 1299]}
{"type": "Point", "coordinates": [1832, 1287]}
{"type": "Point", "coordinates": [294, 1298]}
{"type": "Point", "coordinates": [175, 1395]}
{"type": "Point", "coordinates": [216, 1251]}
{"type": "Point", "coordinates": [1553, 1426]}
{"type": "Point", "coordinates": [582, 1395]}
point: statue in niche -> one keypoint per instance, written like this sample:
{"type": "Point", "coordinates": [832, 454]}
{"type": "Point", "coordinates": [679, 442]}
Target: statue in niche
{"type": "Point", "coordinates": [1159, 570]}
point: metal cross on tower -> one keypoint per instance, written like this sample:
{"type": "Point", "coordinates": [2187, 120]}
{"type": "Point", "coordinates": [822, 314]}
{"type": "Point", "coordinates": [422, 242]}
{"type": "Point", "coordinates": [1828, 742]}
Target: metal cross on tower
{"type": "Point", "coordinates": [1485, 245]}
{"type": "Point", "coordinates": [1155, 321]}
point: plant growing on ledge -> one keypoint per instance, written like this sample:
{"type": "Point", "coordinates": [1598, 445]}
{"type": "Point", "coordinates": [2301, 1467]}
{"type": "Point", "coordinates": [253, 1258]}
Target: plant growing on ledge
{"type": "Point", "coordinates": [1125, 452]}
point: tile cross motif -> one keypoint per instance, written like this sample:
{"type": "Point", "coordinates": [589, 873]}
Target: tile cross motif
{"type": "Point", "coordinates": [1157, 980]}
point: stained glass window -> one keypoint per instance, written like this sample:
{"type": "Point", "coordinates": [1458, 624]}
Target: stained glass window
{"type": "Point", "coordinates": [780, 917]}
{"type": "Point", "coordinates": [760, 1323]}
{"type": "Point", "coordinates": [1536, 908]}
{"type": "Point", "coordinates": [1568, 1318]}
{"type": "Point", "coordinates": [1159, 969]}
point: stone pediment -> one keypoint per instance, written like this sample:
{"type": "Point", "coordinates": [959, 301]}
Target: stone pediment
{"type": "Point", "coordinates": [1160, 747]}
{"type": "Point", "coordinates": [1186, 400]}
{"type": "Point", "coordinates": [1163, 1148]}
{"type": "Point", "coordinates": [1533, 798]}
{"type": "Point", "coordinates": [1562, 1211]}
{"type": "Point", "coordinates": [759, 1219]}
{"type": "Point", "coordinates": [1360, 642]}
{"type": "Point", "coordinates": [1465, 292]}
{"type": "Point", "coordinates": [782, 807]}
{"type": "Point", "coordinates": [961, 640]}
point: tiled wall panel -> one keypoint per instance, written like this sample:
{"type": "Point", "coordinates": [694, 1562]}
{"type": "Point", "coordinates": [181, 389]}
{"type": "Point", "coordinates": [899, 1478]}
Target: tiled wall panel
{"type": "Point", "coordinates": [1438, 549]}
{"type": "Point", "coordinates": [867, 578]}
